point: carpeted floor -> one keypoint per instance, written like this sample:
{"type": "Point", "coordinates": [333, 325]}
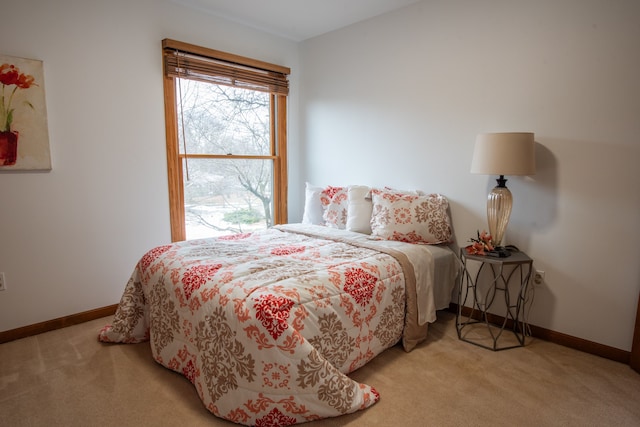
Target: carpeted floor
{"type": "Point", "coordinates": [67, 378]}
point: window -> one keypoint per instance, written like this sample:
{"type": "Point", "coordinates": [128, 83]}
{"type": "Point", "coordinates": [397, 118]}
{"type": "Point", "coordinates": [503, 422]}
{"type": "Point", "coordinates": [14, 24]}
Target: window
{"type": "Point", "coordinates": [225, 119]}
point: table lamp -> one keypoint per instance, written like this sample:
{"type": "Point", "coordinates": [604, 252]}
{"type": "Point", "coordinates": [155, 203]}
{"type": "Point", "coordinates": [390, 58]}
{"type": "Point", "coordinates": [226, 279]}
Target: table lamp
{"type": "Point", "coordinates": [505, 153]}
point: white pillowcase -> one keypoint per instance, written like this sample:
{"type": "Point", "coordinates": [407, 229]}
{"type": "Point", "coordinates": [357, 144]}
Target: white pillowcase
{"type": "Point", "coordinates": [312, 205]}
{"type": "Point", "coordinates": [359, 209]}
{"type": "Point", "coordinates": [410, 218]}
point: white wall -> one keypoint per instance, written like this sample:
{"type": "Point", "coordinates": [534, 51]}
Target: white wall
{"type": "Point", "coordinates": [399, 99]}
{"type": "Point", "coordinates": [70, 238]}
{"type": "Point", "coordinates": [566, 70]}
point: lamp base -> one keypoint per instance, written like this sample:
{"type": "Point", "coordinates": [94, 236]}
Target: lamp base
{"type": "Point", "coordinates": [499, 204]}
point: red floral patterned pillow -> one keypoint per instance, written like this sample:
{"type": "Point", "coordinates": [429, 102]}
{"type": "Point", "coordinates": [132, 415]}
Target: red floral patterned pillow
{"type": "Point", "coordinates": [335, 203]}
{"type": "Point", "coordinates": [410, 218]}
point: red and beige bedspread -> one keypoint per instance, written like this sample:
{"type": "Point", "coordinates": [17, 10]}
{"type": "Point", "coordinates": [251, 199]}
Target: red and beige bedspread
{"type": "Point", "coordinates": [267, 325]}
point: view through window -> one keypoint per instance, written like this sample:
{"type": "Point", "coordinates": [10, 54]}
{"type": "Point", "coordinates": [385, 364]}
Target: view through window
{"type": "Point", "coordinates": [231, 194]}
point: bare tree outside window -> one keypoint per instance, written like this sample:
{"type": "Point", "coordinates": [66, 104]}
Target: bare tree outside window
{"type": "Point", "coordinates": [224, 137]}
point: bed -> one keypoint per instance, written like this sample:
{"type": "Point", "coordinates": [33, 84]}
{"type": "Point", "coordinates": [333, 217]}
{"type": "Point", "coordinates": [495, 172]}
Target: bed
{"type": "Point", "coordinates": [267, 325]}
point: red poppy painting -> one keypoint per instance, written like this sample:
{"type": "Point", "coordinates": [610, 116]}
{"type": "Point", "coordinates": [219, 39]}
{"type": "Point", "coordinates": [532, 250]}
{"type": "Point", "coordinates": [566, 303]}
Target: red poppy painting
{"type": "Point", "coordinates": [24, 135]}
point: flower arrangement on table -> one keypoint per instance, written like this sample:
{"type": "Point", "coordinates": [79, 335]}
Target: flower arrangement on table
{"type": "Point", "coordinates": [480, 245]}
{"type": "Point", "coordinates": [11, 75]}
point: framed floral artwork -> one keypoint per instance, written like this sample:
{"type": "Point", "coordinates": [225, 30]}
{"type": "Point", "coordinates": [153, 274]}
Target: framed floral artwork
{"type": "Point", "coordinates": [24, 133]}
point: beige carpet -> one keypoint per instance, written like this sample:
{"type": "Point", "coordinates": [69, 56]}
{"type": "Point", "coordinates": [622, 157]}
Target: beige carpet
{"type": "Point", "coordinates": [67, 378]}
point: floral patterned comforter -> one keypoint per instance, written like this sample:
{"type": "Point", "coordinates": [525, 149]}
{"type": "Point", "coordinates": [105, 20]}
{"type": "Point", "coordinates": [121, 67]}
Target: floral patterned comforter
{"type": "Point", "coordinates": [267, 325]}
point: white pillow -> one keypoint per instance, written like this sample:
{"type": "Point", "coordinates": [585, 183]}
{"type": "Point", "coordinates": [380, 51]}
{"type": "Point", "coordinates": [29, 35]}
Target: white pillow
{"type": "Point", "coordinates": [410, 218]}
{"type": "Point", "coordinates": [312, 205]}
{"type": "Point", "coordinates": [359, 209]}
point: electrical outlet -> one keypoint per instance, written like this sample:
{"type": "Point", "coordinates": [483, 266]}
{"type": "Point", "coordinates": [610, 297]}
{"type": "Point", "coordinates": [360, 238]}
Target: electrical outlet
{"type": "Point", "coordinates": [539, 277]}
{"type": "Point", "coordinates": [3, 283]}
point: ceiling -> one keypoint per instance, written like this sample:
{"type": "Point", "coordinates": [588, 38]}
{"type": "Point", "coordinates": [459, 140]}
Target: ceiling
{"type": "Point", "coordinates": [296, 20]}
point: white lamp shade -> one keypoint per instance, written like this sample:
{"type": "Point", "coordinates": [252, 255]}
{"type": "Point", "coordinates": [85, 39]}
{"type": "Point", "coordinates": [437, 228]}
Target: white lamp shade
{"type": "Point", "coordinates": [507, 153]}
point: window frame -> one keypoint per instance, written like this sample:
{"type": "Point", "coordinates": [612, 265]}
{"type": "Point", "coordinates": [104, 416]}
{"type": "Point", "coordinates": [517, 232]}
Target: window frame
{"type": "Point", "coordinates": [278, 134]}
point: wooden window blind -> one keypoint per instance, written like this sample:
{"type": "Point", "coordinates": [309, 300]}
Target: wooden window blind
{"type": "Point", "coordinates": [193, 62]}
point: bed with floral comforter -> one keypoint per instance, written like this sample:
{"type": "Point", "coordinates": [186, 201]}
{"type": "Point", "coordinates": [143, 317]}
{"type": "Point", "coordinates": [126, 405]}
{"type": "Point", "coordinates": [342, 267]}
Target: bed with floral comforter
{"type": "Point", "coordinates": [267, 325]}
